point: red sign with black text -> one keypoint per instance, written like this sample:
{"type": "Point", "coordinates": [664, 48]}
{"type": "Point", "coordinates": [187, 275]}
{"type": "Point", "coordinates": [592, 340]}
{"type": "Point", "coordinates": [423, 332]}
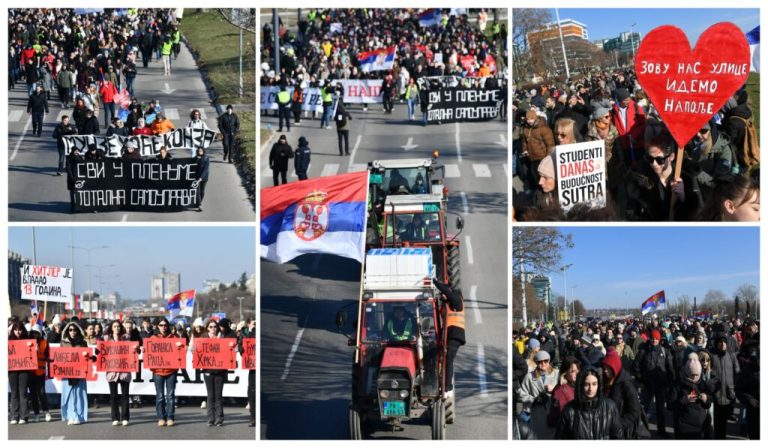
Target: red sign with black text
{"type": "Point", "coordinates": [216, 354]}
{"type": "Point", "coordinates": [249, 354]}
{"type": "Point", "coordinates": [117, 356]}
{"type": "Point", "coordinates": [22, 355]}
{"type": "Point", "coordinates": [165, 353]}
{"type": "Point", "coordinates": [71, 362]}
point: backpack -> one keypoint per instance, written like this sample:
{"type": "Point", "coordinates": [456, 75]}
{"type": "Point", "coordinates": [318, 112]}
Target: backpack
{"type": "Point", "coordinates": [749, 153]}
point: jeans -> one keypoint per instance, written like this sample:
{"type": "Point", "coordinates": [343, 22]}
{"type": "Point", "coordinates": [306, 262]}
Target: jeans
{"type": "Point", "coordinates": [343, 135]}
{"type": "Point", "coordinates": [214, 385]}
{"type": "Point", "coordinates": [37, 391]}
{"type": "Point", "coordinates": [252, 393]}
{"type": "Point", "coordinates": [37, 123]}
{"type": "Point", "coordinates": [327, 111]}
{"type": "Point", "coordinates": [109, 113]}
{"type": "Point", "coordinates": [165, 396]}
{"type": "Point", "coordinates": [411, 108]}
{"type": "Point", "coordinates": [129, 85]}
{"type": "Point", "coordinates": [18, 382]}
{"type": "Point", "coordinates": [424, 117]}
{"type": "Point", "coordinates": [228, 141]}
{"type": "Point", "coordinates": [119, 404]}
{"type": "Point", "coordinates": [284, 114]}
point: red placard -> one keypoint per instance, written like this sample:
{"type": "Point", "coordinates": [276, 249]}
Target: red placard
{"type": "Point", "coordinates": [71, 362]}
{"type": "Point", "coordinates": [248, 356]}
{"type": "Point", "coordinates": [216, 354]}
{"type": "Point", "coordinates": [22, 355]}
{"type": "Point", "coordinates": [117, 356]}
{"type": "Point", "coordinates": [165, 353]}
{"type": "Point", "coordinates": [689, 87]}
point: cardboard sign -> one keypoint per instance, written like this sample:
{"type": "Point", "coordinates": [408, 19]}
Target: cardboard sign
{"type": "Point", "coordinates": [214, 353]}
{"type": "Point", "coordinates": [46, 283]}
{"type": "Point", "coordinates": [117, 356]}
{"type": "Point", "coordinates": [22, 355]}
{"type": "Point", "coordinates": [249, 354]}
{"type": "Point", "coordinates": [689, 87]}
{"type": "Point", "coordinates": [581, 174]}
{"type": "Point", "coordinates": [71, 362]}
{"type": "Point", "coordinates": [165, 353]}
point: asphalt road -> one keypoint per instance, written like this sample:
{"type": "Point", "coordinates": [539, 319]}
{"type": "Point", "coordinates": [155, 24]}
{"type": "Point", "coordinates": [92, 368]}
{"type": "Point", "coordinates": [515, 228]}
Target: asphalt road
{"type": "Point", "coordinates": [37, 194]}
{"type": "Point", "coordinates": [191, 424]}
{"type": "Point", "coordinates": [306, 364]}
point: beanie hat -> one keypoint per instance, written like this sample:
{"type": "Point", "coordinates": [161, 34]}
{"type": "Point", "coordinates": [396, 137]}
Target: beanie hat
{"type": "Point", "coordinates": [622, 94]}
{"type": "Point", "coordinates": [600, 112]}
{"type": "Point", "coordinates": [656, 335]}
{"type": "Point", "coordinates": [541, 356]}
{"type": "Point", "coordinates": [547, 167]}
{"type": "Point", "coordinates": [692, 367]}
{"type": "Point", "coordinates": [533, 343]}
{"type": "Point", "coordinates": [613, 361]}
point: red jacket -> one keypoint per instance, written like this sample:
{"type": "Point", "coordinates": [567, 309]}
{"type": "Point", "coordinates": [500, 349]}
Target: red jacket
{"type": "Point", "coordinates": [143, 131]}
{"type": "Point", "coordinates": [561, 396]}
{"type": "Point", "coordinates": [107, 92]}
{"type": "Point", "coordinates": [631, 136]}
{"type": "Point", "coordinates": [27, 54]}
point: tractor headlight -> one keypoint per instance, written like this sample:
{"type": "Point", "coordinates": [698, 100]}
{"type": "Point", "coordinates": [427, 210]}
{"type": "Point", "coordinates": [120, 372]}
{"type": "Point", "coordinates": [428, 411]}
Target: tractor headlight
{"type": "Point", "coordinates": [403, 393]}
{"type": "Point", "coordinates": [384, 393]}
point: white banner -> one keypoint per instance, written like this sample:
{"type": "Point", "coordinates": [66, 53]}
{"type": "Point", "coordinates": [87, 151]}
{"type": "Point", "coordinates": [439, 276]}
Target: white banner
{"type": "Point", "coordinates": [46, 283]}
{"type": "Point", "coordinates": [356, 91]}
{"type": "Point", "coordinates": [581, 174]}
{"type": "Point", "coordinates": [189, 382]}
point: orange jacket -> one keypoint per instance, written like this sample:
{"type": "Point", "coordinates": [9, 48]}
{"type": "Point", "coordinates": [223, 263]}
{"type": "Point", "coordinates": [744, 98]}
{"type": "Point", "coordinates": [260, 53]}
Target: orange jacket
{"type": "Point", "coordinates": [161, 127]}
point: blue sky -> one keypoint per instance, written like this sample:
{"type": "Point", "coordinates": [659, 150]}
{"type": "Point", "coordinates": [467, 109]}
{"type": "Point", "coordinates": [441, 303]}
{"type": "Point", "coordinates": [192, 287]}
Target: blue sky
{"type": "Point", "coordinates": [608, 23]}
{"type": "Point", "coordinates": [623, 266]}
{"type": "Point", "coordinates": [197, 253]}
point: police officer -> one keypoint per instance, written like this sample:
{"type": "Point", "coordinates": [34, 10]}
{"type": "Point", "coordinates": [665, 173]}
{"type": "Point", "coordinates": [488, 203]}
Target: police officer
{"type": "Point", "coordinates": [284, 108]}
{"type": "Point", "coordinates": [455, 325]}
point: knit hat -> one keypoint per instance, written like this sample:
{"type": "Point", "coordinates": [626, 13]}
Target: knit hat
{"type": "Point", "coordinates": [600, 112]}
{"type": "Point", "coordinates": [547, 167]}
{"type": "Point", "coordinates": [533, 343]}
{"type": "Point", "coordinates": [692, 367]}
{"type": "Point", "coordinates": [303, 141]}
{"type": "Point", "coordinates": [613, 361]}
{"type": "Point", "coordinates": [541, 356]}
{"type": "Point", "coordinates": [622, 94]}
{"type": "Point", "coordinates": [656, 335]}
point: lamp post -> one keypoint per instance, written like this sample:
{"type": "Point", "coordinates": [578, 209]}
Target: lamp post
{"type": "Point", "coordinates": [564, 270]}
{"type": "Point", "coordinates": [240, 299]}
{"type": "Point", "coordinates": [89, 250]}
{"type": "Point", "coordinates": [632, 37]}
{"type": "Point", "coordinates": [100, 277]}
{"type": "Point", "coordinates": [573, 305]}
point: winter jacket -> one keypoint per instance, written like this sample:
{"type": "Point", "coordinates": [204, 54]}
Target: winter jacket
{"type": "Point", "coordinates": [533, 392]}
{"type": "Point", "coordinates": [631, 136]}
{"type": "Point", "coordinates": [736, 129]}
{"type": "Point", "coordinates": [229, 124]}
{"type": "Point", "coordinates": [279, 156]}
{"type": "Point", "coordinates": [301, 162]}
{"type": "Point", "coordinates": [162, 126]}
{"type": "Point", "coordinates": [90, 126]}
{"type": "Point", "coordinates": [164, 372]}
{"type": "Point", "coordinates": [649, 200]}
{"type": "Point", "coordinates": [748, 386]}
{"type": "Point", "coordinates": [342, 119]}
{"type": "Point", "coordinates": [537, 140]}
{"type": "Point", "coordinates": [714, 163]}
{"type": "Point", "coordinates": [203, 167]}
{"type": "Point", "coordinates": [60, 131]}
{"type": "Point", "coordinates": [726, 368]}
{"type": "Point", "coordinates": [561, 396]}
{"type": "Point", "coordinates": [107, 92]}
{"type": "Point", "coordinates": [585, 419]}
{"type": "Point", "coordinates": [691, 418]}
{"type": "Point", "coordinates": [141, 131]}
{"type": "Point", "coordinates": [653, 367]}
{"type": "Point", "coordinates": [65, 79]}
{"type": "Point", "coordinates": [624, 395]}
{"type": "Point", "coordinates": [37, 103]}
{"type": "Point", "coordinates": [120, 377]}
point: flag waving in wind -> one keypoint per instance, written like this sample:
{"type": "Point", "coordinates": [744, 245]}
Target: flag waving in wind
{"type": "Point", "coordinates": [655, 302]}
{"type": "Point", "coordinates": [322, 215]}
{"type": "Point", "coordinates": [181, 304]}
{"type": "Point", "coordinates": [753, 37]}
{"type": "Point", "coordinates": [377, 60]}
{"type": "Point", "coordinates": [430, 17]}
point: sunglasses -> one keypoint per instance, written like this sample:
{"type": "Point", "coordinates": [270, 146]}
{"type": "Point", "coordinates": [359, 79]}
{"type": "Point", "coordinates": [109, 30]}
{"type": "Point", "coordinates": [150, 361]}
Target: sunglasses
{"type": "Point", "coordinates": [703, 131]}
{"type": "Point", "coordinates": [72, 329]}
{"type": "Point", "coordinates": [659, 160]}
{"type": "Point", "coordinates": [212, 326]}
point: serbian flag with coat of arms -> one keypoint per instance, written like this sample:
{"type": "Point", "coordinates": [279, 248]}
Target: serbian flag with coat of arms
{"type": "Point", "coordinates": [181, 304]}
{"type": "Point", "coordinates": [655, 302]}
{"type": "Point", "coordinates": [323, 215]}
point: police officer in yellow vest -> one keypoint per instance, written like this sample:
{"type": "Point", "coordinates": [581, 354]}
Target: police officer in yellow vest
{"type": "Point", "coordinates": [326, 93]}
{"type": "Point", "coordinates": [167, 49]}
{"type": "Point", "coordinates": [455, 325]}
{"type": "Point", "coordinates": [284, 108]}
{"type": "Point", "coordinates": [176, 41]}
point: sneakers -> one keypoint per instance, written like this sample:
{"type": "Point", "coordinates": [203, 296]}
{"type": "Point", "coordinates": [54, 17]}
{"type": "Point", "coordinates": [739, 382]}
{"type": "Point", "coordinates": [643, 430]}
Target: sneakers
{"type": "Point", "coordinates": [47, 416]}
{"type": "Point", "coordinates": [13, 422]}
{"type": "Point", "coordinates": [202, 405]}
{"type": "Point", "coordinates": [220, 424]}
{"type": "Point", "coordinates": [161, 422]}
{"type": "Point", "coordinates": [75, 422]}
{"type": "Point", "coordinates": [252, 423]}
{"type": "Point", "coordinates": [210, 423]}
{"type": "Point", "coordinates": [449, 394]}
{"type": "Point", "coordinates": [115, 423]}
{"type": "Point", "coordinates": [248, 406]}
{"type": "Point", "coordinates": [37, 418]}
{"type": "Point", "coordinates": [22, 422]}
{"type": "Point", "coordinates": [169, 422]}
{"type": "Point", "coordinates": [125, 422]}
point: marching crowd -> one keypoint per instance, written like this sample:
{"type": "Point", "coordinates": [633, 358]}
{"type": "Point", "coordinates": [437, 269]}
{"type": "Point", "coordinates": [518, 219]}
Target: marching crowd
{"type": "Point", "coordinates": [720, 170]}
{"type": "Point", "coordinates": [610, 379]}
{"type": "Point", "coordinates": [28, 386]}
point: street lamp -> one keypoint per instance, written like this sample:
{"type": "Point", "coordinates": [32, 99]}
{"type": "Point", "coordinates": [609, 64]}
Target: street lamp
{"type": "Point", "coordinates": [100, 276]}
{"type": "Point", "coordinates": [564, 270]}
{"type": "Point", "coordinates": [632, 37]}
{"type": "Point", "coordinates": [573, 305]}
{"type": "Point", "coordinates": [89, 250]}
{"type": "Point", "coordinates": [240, 299]}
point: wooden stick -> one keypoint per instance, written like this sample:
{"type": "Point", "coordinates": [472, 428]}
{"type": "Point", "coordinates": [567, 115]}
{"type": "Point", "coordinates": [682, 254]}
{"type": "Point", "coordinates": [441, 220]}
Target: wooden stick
{"type": "Point", "coordinates": [676, 177]}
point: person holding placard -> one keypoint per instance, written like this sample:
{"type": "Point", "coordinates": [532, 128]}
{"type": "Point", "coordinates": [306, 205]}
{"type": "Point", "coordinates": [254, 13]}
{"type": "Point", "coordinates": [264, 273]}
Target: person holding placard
{"type": "Point", "coordinates": [123, 379]}
{"type": "Point", "coordinates": [214, 382]}
{"type": "Point", "coordinates": [74, 391]}
{"type": "Point", "coordinates": [37, 378]}
{"type": "Point", "coordinates": [165, 382]}
{"type": "Point", "coordinates": [18, 380]}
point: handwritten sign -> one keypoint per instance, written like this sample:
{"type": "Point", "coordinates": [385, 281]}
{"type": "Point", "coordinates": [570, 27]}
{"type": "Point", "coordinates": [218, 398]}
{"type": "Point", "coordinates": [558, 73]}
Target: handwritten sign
{"type": "Point", "coordinates": [581, 174]}
{"type": "Point", "coordinates": [689, 87]}
{"type": "Point", "coordinates": [117, 356]}
{"type": "Point", "coordinates": [46, 283]}
{"type": "Point", "coordinates": [214, 353]}
{"type": "Point", "coordinates": [22, 355]}
{"type": "Point", "coordinates": [249, 354]}
{"type": "Point", "coordinates": [71, 362]}
{"type": "Point", "coordinates": [165, 353]}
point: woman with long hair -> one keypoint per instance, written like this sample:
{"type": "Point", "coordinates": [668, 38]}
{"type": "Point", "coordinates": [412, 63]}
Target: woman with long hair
{"type": "Point", "coordinates": [119, 404]}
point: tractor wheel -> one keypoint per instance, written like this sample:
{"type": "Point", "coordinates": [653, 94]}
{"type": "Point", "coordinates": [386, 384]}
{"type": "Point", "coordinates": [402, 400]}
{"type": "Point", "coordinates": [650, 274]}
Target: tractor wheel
{"type": "Point", "coordinates": [454, 267]}
{"type": "Point", "coordinates": [450, 409]}
{"type": "Point", "coordinates": [355, 424]}
{"type": "Point", "coordinates": [438, 420]}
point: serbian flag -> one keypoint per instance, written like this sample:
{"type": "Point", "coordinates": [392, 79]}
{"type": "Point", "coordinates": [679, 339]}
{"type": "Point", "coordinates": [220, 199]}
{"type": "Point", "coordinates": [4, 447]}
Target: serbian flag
{"type": "Point", "coordinates": [323, 215]}
{"type": "Point", "coordinates": [377, 60]}
{"type": "Point", "coordinates": [753, 37]}
{"type": "Point", "coordinates": [655, 302]}
{"type": "Point", "coordinates": [181, 304]}
{"type": "Point", "coordinates": [430, 17]}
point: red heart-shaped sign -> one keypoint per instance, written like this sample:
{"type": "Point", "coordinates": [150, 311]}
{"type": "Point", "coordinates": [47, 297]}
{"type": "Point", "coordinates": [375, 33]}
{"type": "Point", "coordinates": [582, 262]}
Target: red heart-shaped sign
{"type": "Point", "coordinates": [688, 88]}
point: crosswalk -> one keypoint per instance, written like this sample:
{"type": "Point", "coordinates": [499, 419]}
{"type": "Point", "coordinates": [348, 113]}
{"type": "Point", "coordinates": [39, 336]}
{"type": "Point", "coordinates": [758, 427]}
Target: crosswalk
{"type": "Point", "coordinates": [475, 170]}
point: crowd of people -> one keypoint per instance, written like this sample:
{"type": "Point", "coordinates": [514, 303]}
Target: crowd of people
{"type": "Point", "coordinates": [28, 386]}
{"type": "Point", "coordinates": [719, 180]}
{"type": "Point", "coordinates": [611, 379]}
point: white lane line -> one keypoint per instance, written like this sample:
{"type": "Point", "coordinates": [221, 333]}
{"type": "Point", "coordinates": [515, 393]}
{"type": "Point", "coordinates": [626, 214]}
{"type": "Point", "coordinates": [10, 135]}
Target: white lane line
{"type": "Point", "coordinates": [202, 114]}
{"type": "Point", "coordinates": [464, 203]}
{"type": "Point", "coordinates": [506, 170]}
{"type": "Point", "coordinates": [481, 371]}
{"type": "Point", "coordinates": [21, 138]}
{"type": "Point", "coordinates": [468, 247]}
{"type": "Point", "coordinates": [502, 141]}
{"type": "Point", "coordinates": [481, 170]}
{"type": "Point", "coordinates": [354, 151]}
{"type": "Point", "coordinates": [357, 167]}
{"type": "Point", "coordinates": [289, 359]}
{"type": "Point", "coordinates": [452, 170]}
{"type": "Point", "coordinates": [330, 169]}
{"type": "Point", "coordinates": [15, 115]}
{"type": "Point", "coordinates": [56, 438]}
{"type": "Point", "coordinates": [61, 114]}
{"type": "Point", "coordinates": [125, 218]}
{"type": "Point", "coordinates": [475, 305]}
{"type": "Point", "coordinates": [458, 141]}
{"type": "Point", "coordinates": [172, 113]}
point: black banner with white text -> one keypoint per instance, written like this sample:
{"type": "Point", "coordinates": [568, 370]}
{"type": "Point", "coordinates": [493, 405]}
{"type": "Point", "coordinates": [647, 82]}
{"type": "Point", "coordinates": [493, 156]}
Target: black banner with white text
{"type": "Point", "coordinates": [449, 105]}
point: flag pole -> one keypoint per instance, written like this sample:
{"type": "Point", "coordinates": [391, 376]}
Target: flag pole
{"type": "Point", "coordinates": [362, 270]}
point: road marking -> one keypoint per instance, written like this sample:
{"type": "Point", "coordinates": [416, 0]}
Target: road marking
{"type": "Point", "coordinates": [15, 115]}
{"type": "Point", "coordinates": [21, 138]}
{"type": "Point", "coordinates": [330, 169]}
{"type": "Point", "coordinates": [56, 438]}
{"type": "Point", "coordinates": [125, 219]}
{"type": "Point", "coordinates": [502, 141]}
{"type": "Point", "coordinates": [354, 151]}
{"type": "Point", "coordinates": [408, 146]}
{"type": "Point", "coordinates": [171, 113]}
{"type": "Point", "coordinates": [61, 114]}
{"type": "Point", "coordinates": [475, 305]}
{"type": "Point", "coordinates": [481, 371]}
{"type": "Point", "coordinates": [452, 170]}
{"type": "Point", "coordinates": [202, 114]}
{"type": "Point", "coordinates": [506, 169]}
{"type": "Point", "coordinates": [464, 203]}
{"type": "Point", "coordinates": [289, 359]}
{"type": "Point", "coordinates": [468, 245]}
{"type": "Point", "coordinates": [357, 167]}
{"type": "Point", "coordinates": [481, 170]}
{"type": "Point", "coordinates": [168, 90]}
{"type": "Point", "coordinates": [458, 141]}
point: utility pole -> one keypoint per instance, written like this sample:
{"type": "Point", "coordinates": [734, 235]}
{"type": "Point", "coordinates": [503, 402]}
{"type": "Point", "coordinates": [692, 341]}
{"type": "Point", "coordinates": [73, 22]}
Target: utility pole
{"type": "Point", "coordinates": [276, 32]}
{"type": "Point", "coordinates": [240, 299]}
{"type": "Point", "coordinates": [632, 37]}
{"type": "Point", "coordinates": [562, 44]}
{"type": "Point", "coordinates": [522, 284]}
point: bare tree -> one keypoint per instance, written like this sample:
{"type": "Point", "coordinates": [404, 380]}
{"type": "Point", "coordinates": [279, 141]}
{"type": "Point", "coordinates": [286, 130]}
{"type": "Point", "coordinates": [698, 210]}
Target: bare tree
{"type": "Point", "coordinates": [523, 22]}
{"type": "Point", "coordinates": [715, 300]}
{"type": "Point", "coordinates": [578, 308]}
{"type": "Point", "coordinates": [540, 249]}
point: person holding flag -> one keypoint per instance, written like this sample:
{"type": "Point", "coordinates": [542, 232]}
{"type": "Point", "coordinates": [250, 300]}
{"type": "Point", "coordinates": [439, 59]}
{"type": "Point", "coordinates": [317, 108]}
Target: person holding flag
{"type": "Point", "coordinates": [654, 303]}
{"type": "Point", "coordinates": [181, 304]}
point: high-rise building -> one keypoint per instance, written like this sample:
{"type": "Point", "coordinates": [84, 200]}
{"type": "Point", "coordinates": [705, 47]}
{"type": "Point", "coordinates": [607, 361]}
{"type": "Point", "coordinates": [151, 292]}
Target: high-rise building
{"type": "Point", "coordinates": [164, 285]}
{"type": "Point", "coordinates": [15, 263]}
{"type": "Point", "coordinates": [547, 50]}
{"type": "Point", "coordinates": [623, 46]}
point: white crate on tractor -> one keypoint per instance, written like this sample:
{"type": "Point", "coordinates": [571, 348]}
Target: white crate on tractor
{"type": "Point", "coordinates": [398, 268]}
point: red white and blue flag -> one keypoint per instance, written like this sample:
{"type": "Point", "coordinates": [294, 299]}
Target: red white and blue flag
{"type": "Point", "coordinates": [322, 215]}
{"type": "Point", "coordinates": [181, 304]}
{"type": "Point", "coordinates": [430, 17]}
{"type": "Point", "coordinates": [377, 60]}
{"type": "Point", "coordinates": [753, 37]}
{"type": "Point", "coordinates": [655, 302]}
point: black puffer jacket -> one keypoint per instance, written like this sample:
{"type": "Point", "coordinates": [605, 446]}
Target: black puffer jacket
{"type": "Point", "coordinates": [691, 419]}
{"type": "Point", "coordinates": [653, 367]}
{"type": "Point", "coordinates": [648, 200]}
{"type": "Point", "coordinates": [624, 395]}
{"type": "Point", "coordinates": [595, 419]}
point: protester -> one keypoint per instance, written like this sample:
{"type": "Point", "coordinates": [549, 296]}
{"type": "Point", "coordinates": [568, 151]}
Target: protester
{"type": "Point", "coordinates": [565, 391]}
{"type": "Point", "coordinates": [302, 158]}
{"type": "Point", "coordinates": [733, 199]}
{"type": "Point", "coordinates": [161, 125]}
{"type": "Point", "coordinates": [620, 389]}
{"type": "Point", "coordinates": [279, 155]}
{"type": "Point", "coordinates": [165, 382]}
{"type": "Point", "coordinates": [284, 107]}
{"type": "Point", "coordinates": [726, 368]}
{"type": "Point", "coordinates": [73, 160]}
{"type": "Point", "coordinates": [202, 171]}
{"type": "Point", "coordinates": [590, 416]}
{"type": "Point", "coordinates": [119, 404]}
{"type": "Point", "coordinates": [195, 122]}
{"type": "Point", "coordinates": [37, 379]}
{"type": "Point", "coordinates": [653, 367]}
{"type": "Point", "coordinates": [538, 143]}
{"type": "Point", "coordinates": [63, 129]}
{"type": "Point", "coordinates": [37, 107]}
{"type": "Point", "coordinates": [454, 322]}
{"type": "Point", "coordinates": [229, 126]}
{"type": "Point", "coordinates": [18, 380]}
{"type": "Point", "coordinates": [691, 400]}
{"type": "Point", "coordinates": [74, 393]}
{"type": "Point", "coordinates": [214, 380]}
{"type": "Point", "coordinates": [535, 393]}
{"type": "Point", "coordinates": [342, 118]}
